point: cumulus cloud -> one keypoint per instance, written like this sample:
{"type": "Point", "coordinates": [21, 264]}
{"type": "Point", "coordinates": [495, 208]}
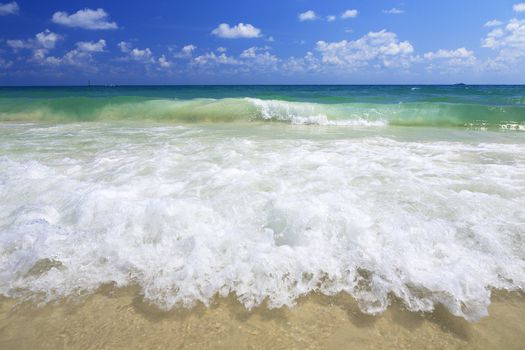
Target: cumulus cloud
{"type": "Point", "coordinates": [259, 55]}
{"type": "Point", "coordinates": [520, 7]}
{"type": "Point", "coordinates": [331, 18]}
{"type": "Point", "coordinates": [508, 42]}
{"type": "Point", "coordinates": [493, 23]}
{"type": "Point", "coordinates": [450, 60]}
{"type": "Point", "coordinates": [10, 8]}
{"type": "Point", "coordinates": [41, 44]}
{"type": "Point", "coordinates": [212, 58]}
{"type": "Point", "coordinates": [163, 62]}
{"type": "Point", "coordinates": [308, 63]}
{"type": "Point", "coordinates": [458, 53]}
{"type": "Point", "coordinates": [47, 39]}
{"type": "Point", "coordinates": [307, 16]}
{"type": "Point", "coordinates": [394, 11]}
{"type": "Point", "coordinates": [252, 51]}
{"type": "Point", "coordinates": [252, 59]}
{"type": "Point", "coordinates": [383, 48]}
{"type": "Point", "coordinates": [86, 19]}
{"type": "Point", "coordinates": [81, 56]}
{"type": "Point", "coordinates": [241, 30]}
{"type": "Point", "coordinates": [144, 55]}
{"type": "Point", "coordinates": [512, 36]}
{"type": "Point", "coordinates": [186, 51]}
{"type": "Point", "coordinates": [89, 46]}
{"type": "Point", "coordinates": [349, 14]}
{"type": "Point", "coordinates": [19, 44]}
{"type": "Point", "coordinates": [125, 46]}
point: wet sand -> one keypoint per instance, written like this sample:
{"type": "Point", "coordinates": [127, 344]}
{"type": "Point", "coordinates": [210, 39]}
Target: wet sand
{"type": "Point", "coordinates": [121, 319]}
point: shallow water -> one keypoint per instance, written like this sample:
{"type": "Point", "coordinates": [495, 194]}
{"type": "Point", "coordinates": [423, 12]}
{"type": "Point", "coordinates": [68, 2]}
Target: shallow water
{"type": "Point", "coordinates": [121, 319]}
{"type": "Point", "coordinates": [268, 212]}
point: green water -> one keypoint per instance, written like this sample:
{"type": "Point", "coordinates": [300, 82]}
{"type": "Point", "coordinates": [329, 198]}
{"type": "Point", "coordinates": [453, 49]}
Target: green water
{"type": "Point", "coordinates": [496, 107]}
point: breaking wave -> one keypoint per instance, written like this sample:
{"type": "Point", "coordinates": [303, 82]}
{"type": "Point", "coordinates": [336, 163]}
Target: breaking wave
{"type": "Point", "coordinates": [435, 114]}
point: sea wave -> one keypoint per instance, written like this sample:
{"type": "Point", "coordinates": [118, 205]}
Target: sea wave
{"type": "Point", "coordinates": [435, 114]}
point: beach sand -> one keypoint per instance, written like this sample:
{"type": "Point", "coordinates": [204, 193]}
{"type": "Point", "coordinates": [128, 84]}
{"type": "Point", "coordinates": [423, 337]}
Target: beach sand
{"type": "Point", "coordinates": [120, 319]}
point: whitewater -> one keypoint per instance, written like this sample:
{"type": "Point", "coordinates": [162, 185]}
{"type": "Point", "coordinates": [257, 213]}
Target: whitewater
{"type": "Point", "coordinates": [200, 194]}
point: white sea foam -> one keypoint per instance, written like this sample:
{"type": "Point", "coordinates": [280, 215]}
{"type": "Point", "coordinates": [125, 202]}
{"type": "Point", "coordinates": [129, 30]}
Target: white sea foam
{"type": "Point", "coordinates": [189, 212]}
{"type": "Point", "coordinates": [310, 113]}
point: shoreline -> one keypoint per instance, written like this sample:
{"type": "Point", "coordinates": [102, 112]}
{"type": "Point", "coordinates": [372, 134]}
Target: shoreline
{"type": "Point", "coordinates": [120, 318]}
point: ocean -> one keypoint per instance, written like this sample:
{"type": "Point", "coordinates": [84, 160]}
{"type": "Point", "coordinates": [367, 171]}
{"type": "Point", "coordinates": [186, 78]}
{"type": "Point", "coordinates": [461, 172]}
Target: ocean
{"type": "Point", "coordinates": [387, 194]}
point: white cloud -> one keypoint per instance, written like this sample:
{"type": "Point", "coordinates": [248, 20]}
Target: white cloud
{"type": "Point", "coordinates": [259, 56]}
{"type": "Point", "coordinates": [250, 53]}
{"type": "Point", "coordinates": [493, 23]}
{"type": "Point", "coordinates": [41, 44]}
{"type": "Point", "coordinates": [163, 62]}
{"type": "Point", "coordinates": [254, 51]}
{"type": "Point", "coordinates": [512, 36]}
{"type": "Point", "coordinates": [144, 55]}
{"type": "Point", "coordinates": [188, 49]}
{"type": "Point", "coordinates": [125, 46]}
{"type": "Point", "coordinates": [382, 47]}
{"type": "Point", "coordinates": [349, 14]}
{"type": "Point", "coordinates": [86, 18]}
{"type": "Point", "coordinates": [492, 40]}
{"type": "Point", "coordinates": [82, 56]}
{"type": "Point", "coordinates": [221, 49]}
{"type": "Point", "coordinates": [47, 39]}
{"type": "Point", "coordinates": [89, 46]}
{"type": "Point", "coordinates": [450, 60]}
{"type": "Point", "coordinates": [212, 58]}
{"type": "Point", "coordinates": [394, 11]}
{"type": "Point", "coordinates": [331, 18]}
{"type": "Point", "coordinates": [251, 59]}
{"type": "Point", "coordinates": [73, 58]}
{"type": "Point", "coordinates": [307, 16]}
{"type": "Point", "coordinates": [520, 7]}
{"type": "Point", "coordinates": [11, 8]}
{"type": "Point", "coordinates": [509, 42]}
{"type": "Point", "coordinates": [270, 39]}
{"type": "Point", "coordinates": [308, 63]}
{"type": "Point", "coordinates": [458, 53]}
{"type": "Point", "coordinates": [241, 30]}
{"type": "Point", "coordinates": [19, 44]}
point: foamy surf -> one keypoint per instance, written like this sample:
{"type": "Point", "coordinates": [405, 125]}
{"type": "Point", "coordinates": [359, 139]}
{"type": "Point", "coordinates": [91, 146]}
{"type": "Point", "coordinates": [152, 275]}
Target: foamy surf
{"type": "Point", "coordinates": [191, 212]}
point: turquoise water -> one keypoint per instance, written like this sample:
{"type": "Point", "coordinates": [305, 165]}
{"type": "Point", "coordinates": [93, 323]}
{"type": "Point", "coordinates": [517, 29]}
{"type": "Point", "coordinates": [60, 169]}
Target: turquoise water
{"type": "Point", "coordinates": [450, 106]}
{"type": "Point", "coordinates": [268, 193]}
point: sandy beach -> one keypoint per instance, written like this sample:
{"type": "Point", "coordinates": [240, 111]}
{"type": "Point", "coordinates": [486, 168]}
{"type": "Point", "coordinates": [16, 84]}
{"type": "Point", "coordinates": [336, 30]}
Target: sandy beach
{"type": "Point", "coordinates": [120, 319]}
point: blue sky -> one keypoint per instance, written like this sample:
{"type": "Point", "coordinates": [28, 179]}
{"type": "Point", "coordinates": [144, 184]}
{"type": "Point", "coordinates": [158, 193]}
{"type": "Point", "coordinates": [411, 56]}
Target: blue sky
{"type": "Point", "coordinates": [262, 42]}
